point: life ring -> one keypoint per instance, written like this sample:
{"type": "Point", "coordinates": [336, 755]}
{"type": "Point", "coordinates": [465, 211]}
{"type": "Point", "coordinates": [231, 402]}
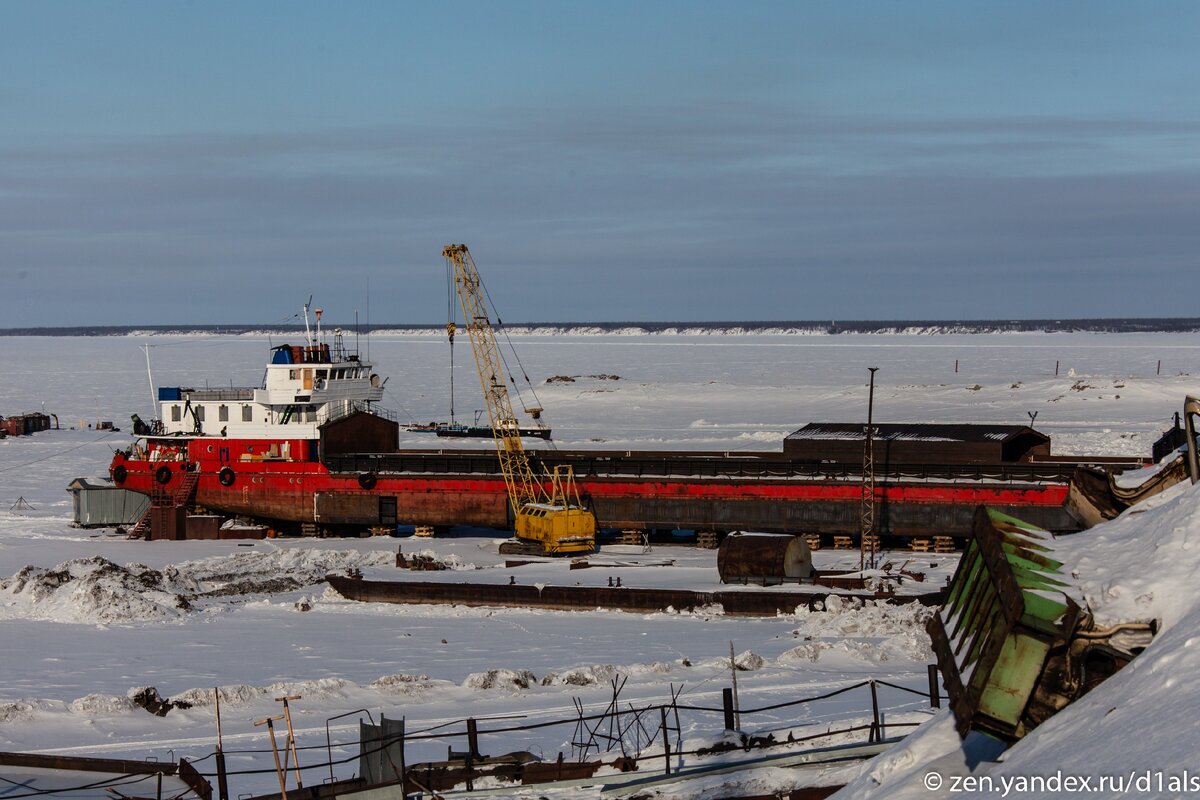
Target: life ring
{"type": "Point", "coordinates": [163, 475]}
{"type": "Point", "coordinates": [226, 476]}
{"type": "Point", "coordinates": [120, 474]}
{"type": "Point", "coordinates": [367, 480]}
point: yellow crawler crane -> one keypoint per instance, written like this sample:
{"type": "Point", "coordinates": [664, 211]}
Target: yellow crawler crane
{"type": "Point", "coordinates": [550, 519]}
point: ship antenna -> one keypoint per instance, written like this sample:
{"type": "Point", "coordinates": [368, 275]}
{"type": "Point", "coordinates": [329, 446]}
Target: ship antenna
{"type": "Point", "coordinates": [307, 332]}
{"type": "Point", "coordinates": [150, 376]}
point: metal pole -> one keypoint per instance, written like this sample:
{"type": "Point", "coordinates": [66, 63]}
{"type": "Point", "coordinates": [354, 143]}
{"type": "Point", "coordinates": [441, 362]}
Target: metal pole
{"type": "Point", "coordinates": [403, 765]}
{"type": "Point", "coordinates": [666, 742]}
{"type": "Point", "coordinates": [473, 737]}
{"type": "Point", "coordinates": [727, 704]}
{"type": "Point", "coordinates": [876, 732]}
{"type": "Point", "coordinates": [222, 778]}
{"type": "Point", "coordinates": [150, 377]}
{"type": "Point", "coordinates": [270, 723]}
{"type": "Point", "coordinates": [737, 714]}
{"type": "Point", "coordinates": [935, 694]}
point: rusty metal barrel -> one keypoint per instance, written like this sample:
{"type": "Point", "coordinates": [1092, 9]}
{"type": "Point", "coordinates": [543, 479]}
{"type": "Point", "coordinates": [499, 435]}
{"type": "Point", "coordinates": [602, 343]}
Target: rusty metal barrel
{"type": "Point", "coordinates": [763, 558]}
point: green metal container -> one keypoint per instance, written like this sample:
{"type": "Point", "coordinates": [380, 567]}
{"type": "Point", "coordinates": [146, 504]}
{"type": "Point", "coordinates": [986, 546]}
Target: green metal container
{"type": "Point", "coordinates": [1004, 616]}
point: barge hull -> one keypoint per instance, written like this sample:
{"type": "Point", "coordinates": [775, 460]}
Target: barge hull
{"type": "Point", "coordinates": [306, 492]}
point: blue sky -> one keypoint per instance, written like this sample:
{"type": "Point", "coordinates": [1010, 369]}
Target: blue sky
{"type": "Point", "coordinates": [209, 162]}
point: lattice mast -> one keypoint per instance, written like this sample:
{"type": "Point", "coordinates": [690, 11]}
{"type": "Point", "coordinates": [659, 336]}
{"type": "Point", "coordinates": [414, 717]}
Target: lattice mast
{"type": "Point", "coordinates": [866, 528]}
{"type": "Point", "coordinates": [514, 461]}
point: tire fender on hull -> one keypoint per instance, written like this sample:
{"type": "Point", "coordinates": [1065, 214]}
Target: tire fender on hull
{"type": "Point", "coordinates": [227, 476]}
{"type": "Point", "coordinates": [163, 475]}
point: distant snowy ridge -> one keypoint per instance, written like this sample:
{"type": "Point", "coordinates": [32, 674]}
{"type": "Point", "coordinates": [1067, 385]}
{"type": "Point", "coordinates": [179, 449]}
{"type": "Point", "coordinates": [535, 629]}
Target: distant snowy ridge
{"type": "Point", "coordinates": [762, 328]}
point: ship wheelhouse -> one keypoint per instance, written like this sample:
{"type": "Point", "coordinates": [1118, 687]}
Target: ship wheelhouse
{"type": "Point", "coordinates": [303, 387]}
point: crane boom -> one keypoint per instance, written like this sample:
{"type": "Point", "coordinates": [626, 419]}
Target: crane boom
{"type": "Point", "coordinates": [545, 517]}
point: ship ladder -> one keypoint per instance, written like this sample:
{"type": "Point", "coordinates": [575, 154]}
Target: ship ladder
{"type": "Point", "coordinates": [182, 495]}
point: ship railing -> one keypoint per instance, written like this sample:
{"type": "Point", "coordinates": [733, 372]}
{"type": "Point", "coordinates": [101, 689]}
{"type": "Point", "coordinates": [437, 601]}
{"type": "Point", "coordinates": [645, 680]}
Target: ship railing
{"type": "Point", "coordinates": [233, 393]}
{"type": "Point", "coordinates": [344, 408]}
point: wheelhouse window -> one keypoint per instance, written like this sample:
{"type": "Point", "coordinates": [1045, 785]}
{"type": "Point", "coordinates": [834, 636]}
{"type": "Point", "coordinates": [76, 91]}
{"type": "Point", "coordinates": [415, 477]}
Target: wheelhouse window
{"type": "Point", "coordinates": [223, 413]}
{"type": "Point", "coordinates": [247, 413]}
{"type": "Point", "coordinates": [176, 413]}
{"type": "Point", "coordinates": [199, 412]}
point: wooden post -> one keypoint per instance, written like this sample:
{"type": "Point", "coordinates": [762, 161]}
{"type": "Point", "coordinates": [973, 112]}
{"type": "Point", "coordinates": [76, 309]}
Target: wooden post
{"type": "Point", "coordinates": [935, 694]}
{"type": "Point", "coordinates": [956, 366]}
{"type": "Point", "coordinates": [1159, 370]}
{"type": "Point", "coordinates": [270, 723]}
{"type": "Point", "coordinates": [1056, 369]}
{"type": "Point", "coordinates": [291, 740]}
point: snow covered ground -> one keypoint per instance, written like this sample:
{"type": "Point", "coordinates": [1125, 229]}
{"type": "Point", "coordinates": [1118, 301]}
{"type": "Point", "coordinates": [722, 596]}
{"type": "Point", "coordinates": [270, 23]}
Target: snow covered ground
{"type": "Point", "coordinates": [86, 617]}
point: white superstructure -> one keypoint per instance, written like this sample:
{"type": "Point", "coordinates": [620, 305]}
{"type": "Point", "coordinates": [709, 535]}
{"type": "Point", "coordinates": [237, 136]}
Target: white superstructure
{"type": "Point", "coordinates": [302, 388]}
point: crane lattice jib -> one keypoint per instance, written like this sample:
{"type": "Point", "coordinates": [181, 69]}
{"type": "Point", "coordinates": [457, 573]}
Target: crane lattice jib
{"type": "Point", "coordinates": [514, 462]}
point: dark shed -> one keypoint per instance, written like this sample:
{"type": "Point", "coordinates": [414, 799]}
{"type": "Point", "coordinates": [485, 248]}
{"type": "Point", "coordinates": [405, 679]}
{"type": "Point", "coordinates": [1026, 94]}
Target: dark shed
{"type": "Point", "coordinates": [359, 432]}
{"type": "Point", "coordinates": [917, 443]}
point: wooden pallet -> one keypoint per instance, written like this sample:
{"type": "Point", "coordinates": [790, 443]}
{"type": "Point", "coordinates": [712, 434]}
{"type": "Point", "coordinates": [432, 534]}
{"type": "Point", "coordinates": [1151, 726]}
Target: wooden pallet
{"type": "Point", "coordinates": [423, 531]}
{"type": "Point", "coordinates": [814, 541]}
{"type": "Point", "coordinates": [944, 544]}
{"type": "Point", "coordinates": [843, 543]}
{"type": "Point", "coordinates": [632, 536]}
{"type": "Point", "coordinates": [922, 545]}
{"type": "Point", "coordinates": [706, 539]}
{"type": "Point", "coordinates": [871, 543]}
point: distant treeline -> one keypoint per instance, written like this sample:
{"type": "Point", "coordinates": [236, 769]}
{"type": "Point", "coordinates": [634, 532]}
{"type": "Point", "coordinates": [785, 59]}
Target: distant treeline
{"type": "Point", "coordinates": [1160, 325]}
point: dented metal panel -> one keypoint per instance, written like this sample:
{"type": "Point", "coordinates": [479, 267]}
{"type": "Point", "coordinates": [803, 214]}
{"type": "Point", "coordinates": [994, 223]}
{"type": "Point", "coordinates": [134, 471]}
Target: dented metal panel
{"type": "Point", "coordinates": [1003, 614]}
{"type": "Point", "coordinates": [347, 508]}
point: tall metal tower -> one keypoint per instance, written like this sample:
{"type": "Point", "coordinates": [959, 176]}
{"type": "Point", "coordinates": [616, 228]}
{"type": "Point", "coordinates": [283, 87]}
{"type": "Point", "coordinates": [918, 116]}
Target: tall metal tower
{"type": "Point", "coordinates": [866, 542]}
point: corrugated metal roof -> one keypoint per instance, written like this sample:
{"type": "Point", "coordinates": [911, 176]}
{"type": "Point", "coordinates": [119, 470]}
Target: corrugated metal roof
{"type": "Point", "coordinates": [913, 432]}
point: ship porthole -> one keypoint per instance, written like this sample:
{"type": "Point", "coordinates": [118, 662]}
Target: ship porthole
{"type": "Point", "coordinates": [226, 476]}
{"type": "Point", "coordinates": [163, 475]}
{"type": "Point", "coordinates": [120, 473]}
{"type": "Point", "coordinates": [367, 480]}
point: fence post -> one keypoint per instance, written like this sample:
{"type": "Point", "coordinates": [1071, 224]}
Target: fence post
{"type": "Point", "coordinates": [403, 765]}
{"type": "Point", "coordinates": [727, 703]}
{"type": "Point", "coordinates": [666, 742]}
{"type": "Point", "coordinates": [935, 694]}
{"type": "Point", "coordinates": [875, 734]}
{"type": "Point", "coordinates": [473, 737]}
{"type": "Point", "coordinates": [472, 740]}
